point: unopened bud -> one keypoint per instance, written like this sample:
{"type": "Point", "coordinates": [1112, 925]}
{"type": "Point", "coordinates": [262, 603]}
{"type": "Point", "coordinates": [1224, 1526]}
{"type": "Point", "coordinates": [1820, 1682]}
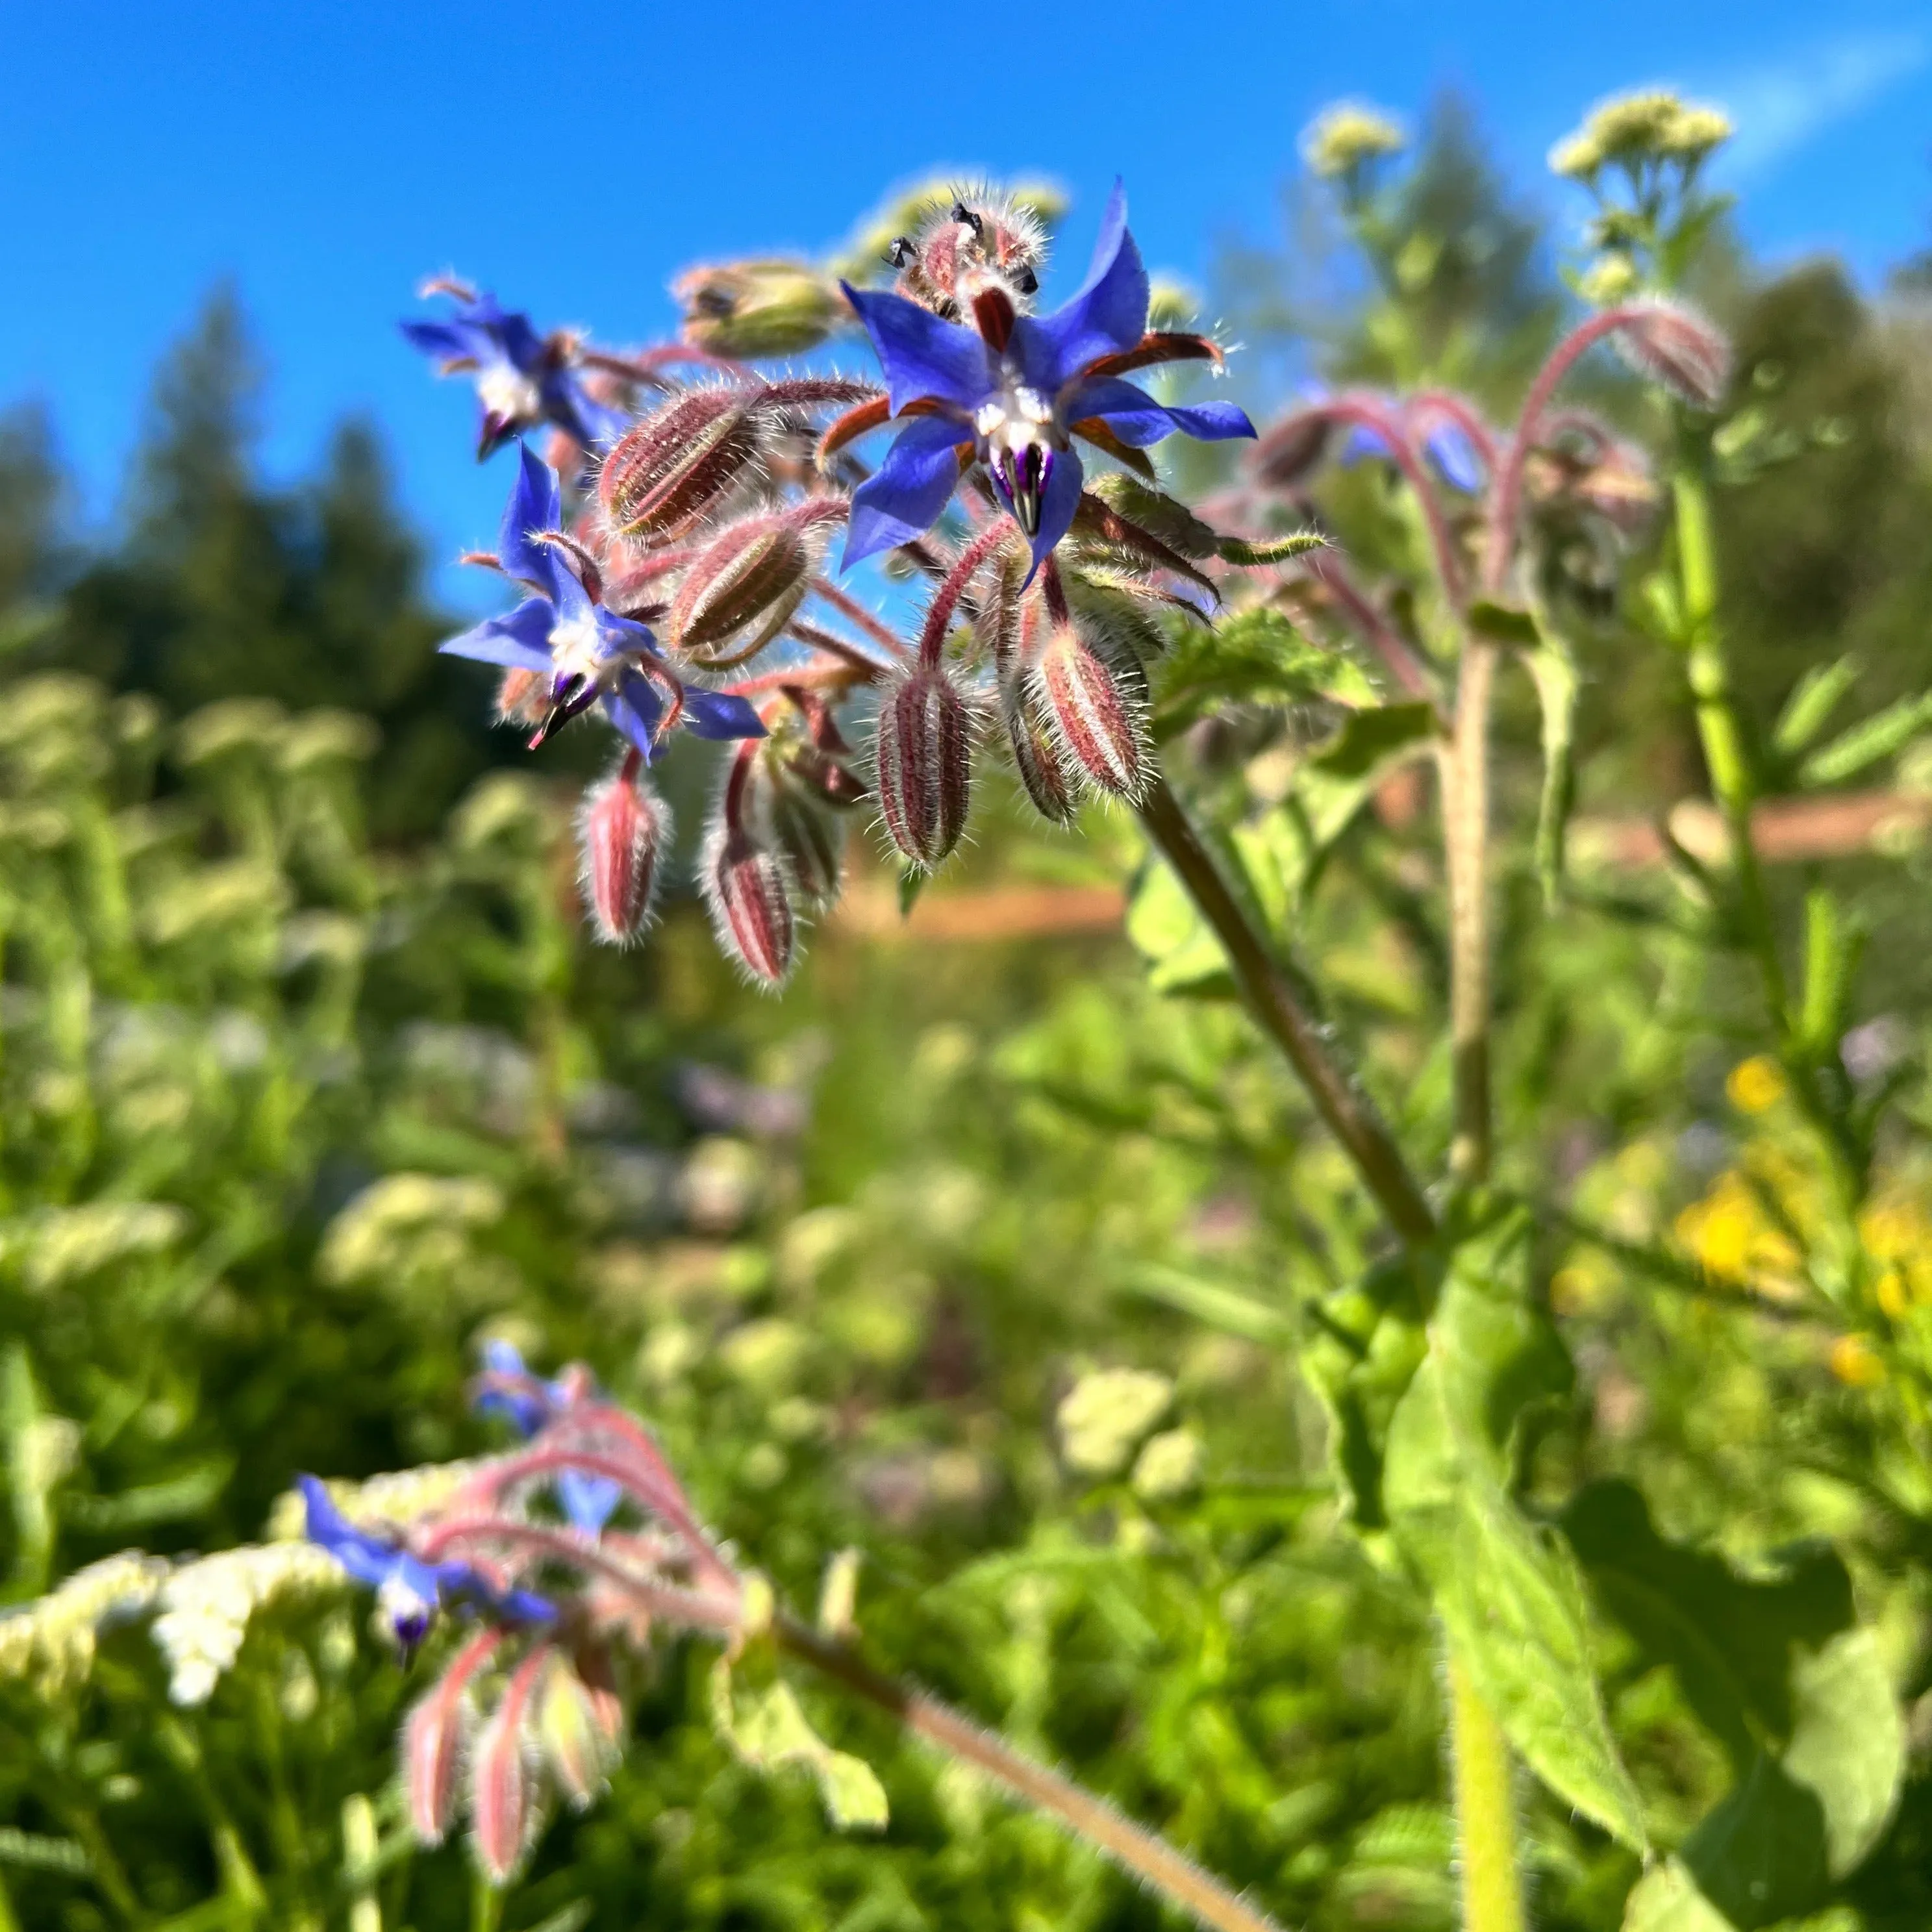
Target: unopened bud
{"type": "Point", "coordinates": [1291, 451]}
{"type": "Point", "coordinates": [750, 899]}
{"type": "Point", "coordinates": [1156, 513]}
{"type": "Point", "coordinates": [500, 1808]}
{"type": "Point", "coordinates": [624, 828]}
{"type": "Point", "coordinates": [924, 763]}
{"type": "Point", "coordinates": [747, 309]}
{"type": "Point", "coordinates": [1096, 718]}
{"type": "Point", "coordinates": [1035, 756]}
{"type": "Point", "coordinates": [432, 1751]}
{"type": "Point", "coordinates": [826, 777]}
{"type": "Point", "coordinates": [680, 463]}
{"type": "Point", "coordinates": [1678, 348]}
{"type": "Point", "coordinates": [742, 591]}
{"type": "Point", "coordinates": [812, 842]}
{"type": "Point", "coordinates": [573, 1735]}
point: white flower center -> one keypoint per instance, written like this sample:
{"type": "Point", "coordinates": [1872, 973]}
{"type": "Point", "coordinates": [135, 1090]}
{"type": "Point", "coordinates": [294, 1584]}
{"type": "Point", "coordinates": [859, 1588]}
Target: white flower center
{"type": "Point", "coordinates": [506, 391]}
{"type": "Point", "coordinates": [576, 650]}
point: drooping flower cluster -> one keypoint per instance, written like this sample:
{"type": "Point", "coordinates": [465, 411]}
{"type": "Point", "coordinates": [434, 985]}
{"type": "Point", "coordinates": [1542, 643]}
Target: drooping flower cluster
{"type": "Point", "coordinates": [679, 533]}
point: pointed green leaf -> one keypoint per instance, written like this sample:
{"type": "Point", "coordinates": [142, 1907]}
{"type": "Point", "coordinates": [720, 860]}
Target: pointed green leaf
{"type": "Point", "coordinates": [1666, 1899]}
{"type": "Point", "coordinates": [1501, 623]}
{"type": "Point", "coordinates": [1809, 708]}
{"type": "Point", "coordinates": [1867, 743]}
{"type": "Point", "coordinates": [1849, 1745]}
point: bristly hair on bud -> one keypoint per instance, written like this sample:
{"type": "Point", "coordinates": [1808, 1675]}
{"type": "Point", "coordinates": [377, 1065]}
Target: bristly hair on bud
{"type": "Point", "coordinates": [434, 1734]}
{"type": "Point", "coordinates": [574, 1733]}
{"type": "Point", "coordinates": [924, 755]}
{"type": "Point", "coordinates": [502, 1807]}
{"type": "Point", "coordinates": [523, 698]}
{"type": "Point", "coordinates": [1676, 346]}
{"type": "Point", "coordinates": [1097, 713]}
{"type": "Point", "coordinates": [682, 463]}
{"type": "Point", "coordinates": [1035, 754]}
{"type": "Point", "coordinates": [747, 887]}
{"type": "Point", "coordinates": [974, 238]}
{"type": "Point", "coordinates": [745, 586]}
{"type": "Point", "coordinates": [623, 829]}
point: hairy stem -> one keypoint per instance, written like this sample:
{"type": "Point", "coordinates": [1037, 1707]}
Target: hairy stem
{"type": "Point", "coordinates": [1466, 831]}
{"type": "Point", "coordinates": [1279, 1005]}
{"type": "Point", "coordinates": [1148, 1858]}
{"type": "Point", "coordinates": [1485, 1811]}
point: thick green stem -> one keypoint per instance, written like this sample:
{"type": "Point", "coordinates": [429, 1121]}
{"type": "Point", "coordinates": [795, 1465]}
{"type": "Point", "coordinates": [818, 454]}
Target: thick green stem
{"type": "Point", "coordinates": [1492, 1887]}
{"type": "Point", "coordinates": [1149, 1858]}
{"type": "Point", "coordinates": [1284, 1014]}
{"type": "Point", "coordinates": [1466, 831]}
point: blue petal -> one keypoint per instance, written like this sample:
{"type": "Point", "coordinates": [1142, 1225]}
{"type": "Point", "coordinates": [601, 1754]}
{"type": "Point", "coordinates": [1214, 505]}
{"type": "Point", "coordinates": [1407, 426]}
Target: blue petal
{"type": "Point", "coordinates": [1108, 317]}
{"type": "Point", "coordinates": [520, 640]}
{"type": "Point", "coordinates": [523, 1410]}
{"type": "Point", "coordinates": [1138, 420]}
{"type": "Point", "coordinates": [1364, 442]}
{"type": "Point", "coordinates": [623, 635]}
{"type": "Point", "coordinates": [634, 708]}
{"type": "Point", "coordinates": [579, 414]}
{"type": "Point", "coordinates": [720, 714]}
{"type": "Point", "coordinates": [921, 356]}
{"type": "Point", "coordinates": [588, 1501]}
{"type": "Point", "coordinates": [1057, 503]}
{"type": "Point", "coordinates": [903, 498]}
{"type": "Point", "coordinates": [521, 343]}
{"type": "Point", "coordinates": [1454, 454]}
{"type": "Point", "coordinates": [448, 341]}
{"type": "Point", "coordinates": [536, 503]}
{"type": "Point", "coordinates": [365, 1558]}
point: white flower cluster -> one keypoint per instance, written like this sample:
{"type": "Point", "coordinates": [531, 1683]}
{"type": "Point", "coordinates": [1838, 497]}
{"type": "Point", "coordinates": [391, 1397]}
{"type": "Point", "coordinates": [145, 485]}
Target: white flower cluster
{"type": "Point", "coordinates": [205, 1606]}
{"type": "Point", "coordinates": [393, 1501]}
{"type": "Point", "coordinates": [50, 1642]}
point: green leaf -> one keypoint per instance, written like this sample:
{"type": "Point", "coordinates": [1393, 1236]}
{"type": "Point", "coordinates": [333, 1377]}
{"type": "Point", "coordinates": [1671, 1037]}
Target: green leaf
{"type": "Point", "coordinates": [1728, 1640]}
{"type": "Point", "coordinates": [767, 1728]}
{"type": "Point", "coordinates": [1848, 1746]}
{"type": "Point", "coordinates": [1666, 1899]}
{"type": "Point", "coordinates": [1832, 949]}
{"type": "Point", "coordinates": [912, 882]}
{"type": "Point", "coordinates": [1226, 1309]}
{"type": "Point", "coordinates": [1867, 743]}
{"type": "Point", "coordinates": [1817, 695]}
{"type": "Point", "coordinates": [1369, 740]}
{"type": "Point", "coordinates": [1179, 945]}
{"type": "Point", "coordinates": [1508, 1594]}
{"type": "Point", "coordinates": [1502, 624]}
{"type": "Point", "coordinates": [1254, 657]}
{"type": "Point", "coordinates": [1759, 1856]}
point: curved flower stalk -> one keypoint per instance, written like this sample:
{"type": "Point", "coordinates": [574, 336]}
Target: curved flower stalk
{"type": "Point", "coordinates": [1013, 391]}
{"type": "Point", "coordinates": [530, 1702]}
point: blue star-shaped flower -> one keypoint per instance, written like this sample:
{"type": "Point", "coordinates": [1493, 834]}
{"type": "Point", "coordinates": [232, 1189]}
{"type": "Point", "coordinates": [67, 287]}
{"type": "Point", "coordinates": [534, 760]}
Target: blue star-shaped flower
{"type": "Point", "coordinates": [589, 654]}
{"type": "Point", "coordinates": [522, 378]}
{"type": "Point", "coordinates": [1015, 391]}
{"type": "Point", "coordinates": [527, 1402]}
{"type": "Point", "coordinates": [409, 1590]}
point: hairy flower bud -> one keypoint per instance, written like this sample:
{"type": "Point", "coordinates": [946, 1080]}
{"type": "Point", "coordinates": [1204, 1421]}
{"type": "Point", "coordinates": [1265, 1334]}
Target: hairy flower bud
{"type": "Point", "coordinates": [753, 309]}
{"type": "Point", "coordinates": [501, 1812]}
{"type": "Point", "coordinates": [1292, 451]}
{"type": "Point", "coordinates": [624, 828]}
{"type": "Point", "coordinates": [824, 776]}
{"type": "Point", "coordinates": [811, 840]}
{"type": "Point", "coordinates": [1677, 347]}
{"type": "Point", "coordinates": [742, 590]}
{"type": "Point", "coordinates": [680, 463]}
{"type": "Point", "coordinates": [924, 763]}
{"type": "Point", "coordinates": [523, 698]}
{"type": "Point", "coordinates": [1158, 513]}
{"type": "Point", "coordinates": [432, 1739]}
{"type": "Point", "coordinates": [1035, 756]}
{"type": "Point", "coordinates": [749, 895]}
{"type": "Point", "coordinates": [574, 1734]}
{"type": "Point", "coordinates": [1096, 717]}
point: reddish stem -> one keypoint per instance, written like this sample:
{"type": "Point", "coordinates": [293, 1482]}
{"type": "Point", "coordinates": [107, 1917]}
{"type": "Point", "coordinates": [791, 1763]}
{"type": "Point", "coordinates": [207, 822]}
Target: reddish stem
{"type": "Point", "coordinates": [853, 612]}
{"type": "Point", "coordinates": [951, 588]}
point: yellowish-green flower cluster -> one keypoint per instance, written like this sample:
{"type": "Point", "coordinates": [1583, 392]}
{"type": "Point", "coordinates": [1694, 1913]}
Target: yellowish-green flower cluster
{"type": "Point", "coordinates": [394, 1501]}
{"type": "Point", "coordinates": [1342, 138]}
{"type": "Point", "coordinates": [48, 1644]}
{"type": "Point", "coordinates": [1105, 1414]}
{"type": "Point", "coordinates": [1654, 124]}
{"type": "Point", "coordinates": [205, 1606]}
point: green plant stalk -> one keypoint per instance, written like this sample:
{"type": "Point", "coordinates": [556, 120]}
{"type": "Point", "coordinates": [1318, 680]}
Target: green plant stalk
{"type": "Point", "coordinates": [1148, 1858]}
{"type": "Point", "coordinates": [1285, 1014]}
{"type": "Point", "coordinates": [1733, 788]}
{"type": "Point", "coordinates": [1466, 831]}
{"type": "Point", "coordinates": [1492, 1889]}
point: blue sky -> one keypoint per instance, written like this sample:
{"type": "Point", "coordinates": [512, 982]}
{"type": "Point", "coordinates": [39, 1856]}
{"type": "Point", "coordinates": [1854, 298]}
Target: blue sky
{"type": "Point", "coordinates": [573, 156]}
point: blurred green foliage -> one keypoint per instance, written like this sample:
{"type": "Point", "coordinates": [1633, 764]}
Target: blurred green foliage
{"type": "Point", "coordinates": [1018, 1268]}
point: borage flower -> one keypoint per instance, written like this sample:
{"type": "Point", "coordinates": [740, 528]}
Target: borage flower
{"type": "Point", "coordinates": [508, 1388]}
{"type": "Point", "coordinates": [409, 1590]}
{"type": "Point", "coordinates": [587, 654]}
{"type": "Point", "coordinates": [522, 378]}
{"type": "Point", "coordinates": [1014, 391]}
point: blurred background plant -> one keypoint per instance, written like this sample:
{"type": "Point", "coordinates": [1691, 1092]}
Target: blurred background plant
{"type": "Point", "coordinates": [1013, 1263]}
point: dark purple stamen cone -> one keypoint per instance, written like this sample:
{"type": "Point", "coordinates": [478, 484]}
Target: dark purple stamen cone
{"type": "Point", "coordinates": [924, 763]}
{"type": "Point", "coordinates": [1096, 722]}
{"type": "Point", "coordinates": [1036, 757]}
{"type": "Point", "coordinates": [750, 898]}
{"type": "Point", "coordinates": [624, 829]}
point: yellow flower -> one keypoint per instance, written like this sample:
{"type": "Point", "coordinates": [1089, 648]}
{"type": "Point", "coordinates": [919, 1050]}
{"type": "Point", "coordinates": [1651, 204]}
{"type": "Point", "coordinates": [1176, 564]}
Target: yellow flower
{"type": "Point", "coordinates": [1756, 1085]}
{"type": "Point", "coordinates": [1855, 1363]}
{"type": "Point", "coordinates": [1341, 138]}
